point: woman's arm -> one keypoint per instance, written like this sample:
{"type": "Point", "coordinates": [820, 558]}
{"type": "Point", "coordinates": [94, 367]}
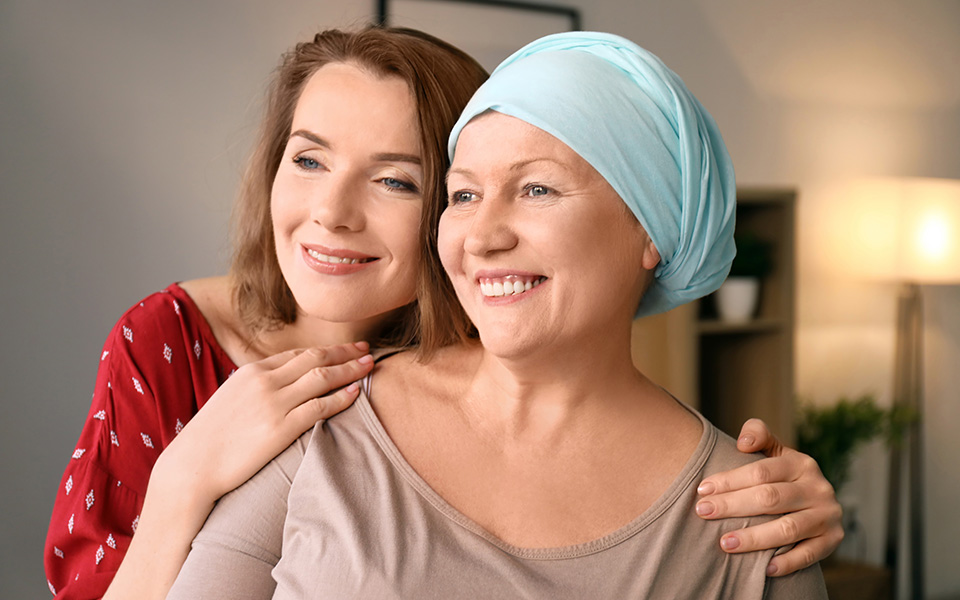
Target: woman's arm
{"type": "Point", "coordinates": [155, 367]}
{"type": "Point", "coordinates": [257, 413]}
{"type": "Point", "coordinates": [240, 543]}
{"type": "Point", "coordinates": [787, 483]}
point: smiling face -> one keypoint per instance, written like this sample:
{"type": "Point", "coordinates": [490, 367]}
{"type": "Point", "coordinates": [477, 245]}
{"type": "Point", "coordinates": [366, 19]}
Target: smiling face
{"type": "Point", "coordinates": [346, 201]}
{"type": "Point", "coordinates": [538, 245]}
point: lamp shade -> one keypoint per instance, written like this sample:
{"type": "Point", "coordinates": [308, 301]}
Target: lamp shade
{"type": "Point", "coordinates": [901, 229]}
{"type": "Point", "coordinates": [928, 245]}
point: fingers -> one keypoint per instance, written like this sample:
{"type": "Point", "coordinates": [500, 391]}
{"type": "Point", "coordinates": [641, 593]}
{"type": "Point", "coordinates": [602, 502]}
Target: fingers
{"type": "Point", "coordinates": [803, 555]}
{"type": "Point", "coordinates": [767, 470]}
{"type": "Point", "coordinates": [298, 365]}
{"type": "Point", "coordinates": [320, 381]}
{"type": "Point", "coordinates": [304, 416]}
{"type": "Point", "coordinates": [280, 358]}
{"type": "Point", "coordinates": [755, 436]}
{"type": "Point", "coordinates": [783, 532]}
{"type": "Point", "coordinates": [767, 499]}
{"type": "Point", "coordinates": [816, 531]}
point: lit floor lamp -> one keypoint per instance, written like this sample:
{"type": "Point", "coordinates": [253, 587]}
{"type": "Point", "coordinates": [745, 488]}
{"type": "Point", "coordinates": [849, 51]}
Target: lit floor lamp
{"type": "Point", "coordinates": [928, 252]}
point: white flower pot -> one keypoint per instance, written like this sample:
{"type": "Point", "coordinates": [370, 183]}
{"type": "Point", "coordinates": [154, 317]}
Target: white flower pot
{"type": "Point", "coordinates": [737, 299]}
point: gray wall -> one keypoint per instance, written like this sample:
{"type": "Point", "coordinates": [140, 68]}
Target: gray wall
{"type": "Point", "coordinates": [124, 127]}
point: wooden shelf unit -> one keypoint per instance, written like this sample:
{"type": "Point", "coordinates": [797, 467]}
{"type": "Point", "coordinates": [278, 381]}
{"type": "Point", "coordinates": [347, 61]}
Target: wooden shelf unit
{"type": "Point", "coordinates": [734, 371]}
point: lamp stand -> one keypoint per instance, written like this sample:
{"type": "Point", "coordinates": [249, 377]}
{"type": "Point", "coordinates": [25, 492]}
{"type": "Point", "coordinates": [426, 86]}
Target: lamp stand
{"type": "Point", "coordinates": [908, 393]}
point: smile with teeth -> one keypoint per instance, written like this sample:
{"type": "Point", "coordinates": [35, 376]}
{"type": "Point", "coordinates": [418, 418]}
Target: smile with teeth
{"type": "Point", "coordinates": [336, 260]}
{"type": "Point", "coordinates": [508, 286]}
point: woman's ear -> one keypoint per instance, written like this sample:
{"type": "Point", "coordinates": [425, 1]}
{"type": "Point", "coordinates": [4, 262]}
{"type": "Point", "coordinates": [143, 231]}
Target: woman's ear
{"type": "Point", "coordinates": [651, 256]}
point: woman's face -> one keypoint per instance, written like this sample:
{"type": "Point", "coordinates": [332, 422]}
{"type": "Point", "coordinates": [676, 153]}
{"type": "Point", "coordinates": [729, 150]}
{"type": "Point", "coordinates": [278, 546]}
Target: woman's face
{"type": "Point", "coordinates": [538, 245]}
{"type": "Point", "coordinates": [346, 199]}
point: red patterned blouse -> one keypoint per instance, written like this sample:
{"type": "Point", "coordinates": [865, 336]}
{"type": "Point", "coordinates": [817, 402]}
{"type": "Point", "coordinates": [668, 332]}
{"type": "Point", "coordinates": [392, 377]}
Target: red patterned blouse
{"type": "Point", "coordinates": [159, 365]}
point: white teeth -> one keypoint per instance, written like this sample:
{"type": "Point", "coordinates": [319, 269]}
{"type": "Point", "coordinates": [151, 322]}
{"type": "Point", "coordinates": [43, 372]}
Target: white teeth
{"type": "Point", "coordinates": [334, 260]}
{"type": "Point", "coordinates": [508, 287]}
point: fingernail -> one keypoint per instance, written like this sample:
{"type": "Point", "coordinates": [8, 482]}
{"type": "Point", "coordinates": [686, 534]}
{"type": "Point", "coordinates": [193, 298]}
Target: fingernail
{"type": "Point", "coordinates": [706, 488]}
{"type": "Point", "coordinates": [352, 388]}
{"type": "Point", "coordinates": [705, 509]}
{"type": "Point", "coordinates": [366, 359]}
{"type": "Point", "coordinates": [730, 542]}
{"type": "Point", "coordinates": [364, 346]}
{"type": "Point", "coordinates": [746, 440]}
{"type": "Point", "coordinates": [772, 570]}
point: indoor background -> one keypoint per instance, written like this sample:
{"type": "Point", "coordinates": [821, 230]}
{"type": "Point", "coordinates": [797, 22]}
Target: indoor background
{"type": "Point", "coordinates": [124, 126]}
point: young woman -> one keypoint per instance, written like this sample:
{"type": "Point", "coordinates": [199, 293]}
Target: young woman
{"type": "Point", "coordinates": [328, 250]}
{"type": "Point", "coordinates": [338, 210]}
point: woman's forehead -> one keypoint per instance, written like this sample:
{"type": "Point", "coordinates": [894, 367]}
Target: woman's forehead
{"type": "Point", "coordinates": [347, 105]}
{"type": "Point", "coordinates": [496, 139]}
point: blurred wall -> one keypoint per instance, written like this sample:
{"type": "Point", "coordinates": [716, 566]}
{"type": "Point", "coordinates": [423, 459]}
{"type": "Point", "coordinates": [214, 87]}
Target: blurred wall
{"type": "Point", "coordinates": [123, 129]}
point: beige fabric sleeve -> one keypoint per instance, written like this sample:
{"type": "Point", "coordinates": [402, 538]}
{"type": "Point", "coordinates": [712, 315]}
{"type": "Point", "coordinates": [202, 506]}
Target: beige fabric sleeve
{"type": "Point", "coordinates": [240, 543]}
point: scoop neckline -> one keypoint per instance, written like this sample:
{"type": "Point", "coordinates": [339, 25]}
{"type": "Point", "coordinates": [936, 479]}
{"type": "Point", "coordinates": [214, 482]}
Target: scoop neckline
{"type": "Point", "coordinates": [669, 497]}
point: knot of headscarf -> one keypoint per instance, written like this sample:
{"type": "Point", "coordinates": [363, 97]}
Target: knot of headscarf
{"type": "Point", "coordinates": [629, 116]}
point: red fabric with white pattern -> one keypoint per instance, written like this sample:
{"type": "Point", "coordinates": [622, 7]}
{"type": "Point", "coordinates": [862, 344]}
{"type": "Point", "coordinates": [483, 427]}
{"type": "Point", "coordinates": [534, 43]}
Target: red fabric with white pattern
{"type": "Point", "coordinates": [159, 365]}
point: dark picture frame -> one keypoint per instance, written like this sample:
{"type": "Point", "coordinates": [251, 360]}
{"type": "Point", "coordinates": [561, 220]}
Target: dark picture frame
{"type": "Point", "coordinates": [489, 30]}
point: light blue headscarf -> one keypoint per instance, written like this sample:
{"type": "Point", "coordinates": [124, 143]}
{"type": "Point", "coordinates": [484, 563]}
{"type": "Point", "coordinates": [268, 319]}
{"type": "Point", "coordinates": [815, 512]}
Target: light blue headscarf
{"type": "Point", "coordinates": [629, 116]}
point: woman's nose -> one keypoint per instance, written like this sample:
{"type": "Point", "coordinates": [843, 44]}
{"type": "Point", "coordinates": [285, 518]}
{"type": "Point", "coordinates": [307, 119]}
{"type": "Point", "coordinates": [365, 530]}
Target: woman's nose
{"type": "Point", "coordinates": [491, 229]}
{"type": "Point", "coordinates": [339, 204]}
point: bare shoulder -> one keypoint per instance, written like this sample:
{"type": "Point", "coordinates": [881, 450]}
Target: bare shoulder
{"type": "Point", "coordinates": [214, 297]}
{"type": "Point", "coordinates": [210, 294]}
{"type": "Point", "coordinates": [403, 384]}
{"type": "Point", "coordinates": [408, 370]}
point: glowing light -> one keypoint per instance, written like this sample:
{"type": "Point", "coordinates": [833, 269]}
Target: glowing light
{"type": "Point", "coordinates": [898, 229]}
{"type": "Point", "coordinates": [933, 237]}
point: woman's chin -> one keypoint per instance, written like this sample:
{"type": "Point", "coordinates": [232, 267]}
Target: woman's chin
{"type": "Point", "coordinates": [346, 312]}
{"type": "Point", "coordinates": [509, 345]}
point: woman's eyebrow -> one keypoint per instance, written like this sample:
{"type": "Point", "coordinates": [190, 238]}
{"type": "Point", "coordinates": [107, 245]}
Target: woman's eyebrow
{"type": "Point", "coordinates": [397, 157]}
{"type": "Point", "coordinates": [381, 157]}
{"type": "Point", "coordinates": [316, 139]}
{"type": "Point", "coordinates": [521, 164]}
{"type": "Point", "coordinates": [517, 166]}
{"type": "Point", "coordinates": [457, 171]}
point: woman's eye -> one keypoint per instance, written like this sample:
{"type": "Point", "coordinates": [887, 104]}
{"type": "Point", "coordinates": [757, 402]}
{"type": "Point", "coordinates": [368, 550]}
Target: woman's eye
{"type": "Point", "coordinates": [462, 197]}
{"type": "Point", "coordinates": [398, 184]}
{"type": "Point", "coordinates": [306, 163]}
{"type": "Point", "coordinates": [537, 190]}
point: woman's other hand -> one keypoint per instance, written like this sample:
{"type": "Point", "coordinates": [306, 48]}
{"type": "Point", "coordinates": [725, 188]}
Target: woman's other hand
{"type": "Point", "coordinates": [259, 411]}
{"type": "Point", "coordinates": [787, 483]}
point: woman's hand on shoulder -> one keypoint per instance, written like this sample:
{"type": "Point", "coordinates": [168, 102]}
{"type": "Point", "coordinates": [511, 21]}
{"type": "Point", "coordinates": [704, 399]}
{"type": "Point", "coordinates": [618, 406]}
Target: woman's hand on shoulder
{"type": "Point", "coordinates": [786, 483]}
{"type": "Point", "coordinates": [259, 411]}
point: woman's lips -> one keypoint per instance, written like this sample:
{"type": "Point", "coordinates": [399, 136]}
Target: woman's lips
{"type": "Point", "coordinates": [335, 261]}
{"type": "Point", "coordinates": [497, 285]}
{"type": "Point", "coordinates": [511, 285]}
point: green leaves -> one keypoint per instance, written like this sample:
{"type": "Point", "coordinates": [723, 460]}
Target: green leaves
{"type": "Point", "coordinates": [831, 434]}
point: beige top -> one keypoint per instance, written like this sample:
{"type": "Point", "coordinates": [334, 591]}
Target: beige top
{"type": "Point", "coordinates": [358, 522]}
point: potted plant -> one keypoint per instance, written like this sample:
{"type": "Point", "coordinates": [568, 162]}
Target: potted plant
{"type": "Point", "coordinates": [737, 298]}
{"type": "Point", "coordinates": [831, 434]}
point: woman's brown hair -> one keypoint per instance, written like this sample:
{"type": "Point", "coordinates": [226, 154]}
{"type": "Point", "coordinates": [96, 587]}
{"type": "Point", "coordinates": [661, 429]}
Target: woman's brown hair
{"type": "Point", "coordinates": [442, 79]}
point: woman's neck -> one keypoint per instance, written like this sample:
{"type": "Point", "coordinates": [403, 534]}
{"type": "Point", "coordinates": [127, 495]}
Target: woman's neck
{"type": "Point", "coordinates": [535, 398]}
{"type": "Point", "coordinates": [214, 297]}
{"type": "Point", "coordinates": [307, 331]}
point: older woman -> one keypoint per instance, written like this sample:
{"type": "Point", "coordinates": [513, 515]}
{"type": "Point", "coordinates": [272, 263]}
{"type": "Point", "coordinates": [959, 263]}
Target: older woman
{"type": "Point", "coordinates": [587, 186]}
